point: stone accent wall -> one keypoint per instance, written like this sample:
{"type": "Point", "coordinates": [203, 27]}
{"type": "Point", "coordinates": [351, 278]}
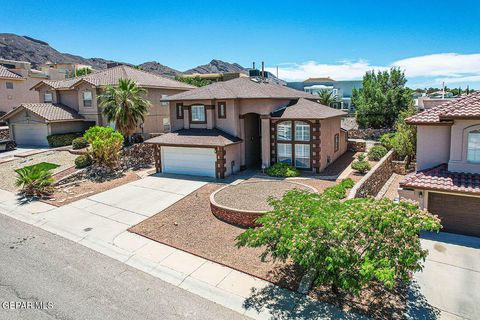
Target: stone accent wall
{"type": "Point", "coordinates": [4, 134]}
{"type": "Point", "coordinates": [400, 167]}
{"type": "Point", "coordinates": [357, 146]}
{"type": "Point", "coordinates": [367, 134]}
{"type": "Point", "coordinates": [374, 180]}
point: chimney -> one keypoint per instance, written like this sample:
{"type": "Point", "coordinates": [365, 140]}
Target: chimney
{"type": "Point", "coordinates": [253, 65]}
{"type": "Point", "coordinates": [263, 71]}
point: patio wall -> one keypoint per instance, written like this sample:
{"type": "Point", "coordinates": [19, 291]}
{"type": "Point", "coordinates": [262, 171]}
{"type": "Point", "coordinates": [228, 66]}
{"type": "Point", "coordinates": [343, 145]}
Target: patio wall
{"type": "Point", "coordinates": [374, 180]}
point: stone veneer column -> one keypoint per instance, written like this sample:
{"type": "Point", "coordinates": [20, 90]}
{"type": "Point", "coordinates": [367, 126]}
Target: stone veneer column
{"type": "Point", "coordinates": [158, 158]}
{"type": "Point", "coordinates": [316, 147]}
{"type": "Point", "coordinates": [273, 141]}
{"type": "Point", "coordinates": [220, 168]}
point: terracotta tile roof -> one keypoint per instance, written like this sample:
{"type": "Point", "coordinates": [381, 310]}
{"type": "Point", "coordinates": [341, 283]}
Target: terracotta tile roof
{"type": "Point", "coordinates": [196, 137]}
{"type": "Point", "coordinates": [112, 75]}
{"type": "Point", "coordinates": [306, 109]}
{"type": "Point", "coordinates": [439, 178]}
{"type": "Point", "coordinates": [48, 111]}
{"type": "Point", "coordinates": [5, 73]}
{"type": "Point", "coordinates": [463, 108]}
{"type": "Point", "coordinates": [243, 87]}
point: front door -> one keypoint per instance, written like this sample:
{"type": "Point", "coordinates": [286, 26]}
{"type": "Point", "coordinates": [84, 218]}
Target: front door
{"type": "Point", "coordinates": [253, 140]}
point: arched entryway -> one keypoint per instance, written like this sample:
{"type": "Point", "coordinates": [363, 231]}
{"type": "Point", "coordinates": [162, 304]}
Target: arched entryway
{"type": "Point", "coordinates": [253, 140]}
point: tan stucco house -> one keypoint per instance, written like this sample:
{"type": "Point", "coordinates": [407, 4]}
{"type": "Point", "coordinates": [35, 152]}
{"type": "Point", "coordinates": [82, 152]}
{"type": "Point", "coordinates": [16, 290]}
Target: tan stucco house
{"type": "Point", "coordinates": [447, 181]}
{"type": "Point", "coordinates": [224, 127]}
{"type": "Point", "coordinates": [71, 105]}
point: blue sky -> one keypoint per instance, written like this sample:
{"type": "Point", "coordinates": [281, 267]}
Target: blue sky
{"type": "Point", "coordinates": [433, 41]}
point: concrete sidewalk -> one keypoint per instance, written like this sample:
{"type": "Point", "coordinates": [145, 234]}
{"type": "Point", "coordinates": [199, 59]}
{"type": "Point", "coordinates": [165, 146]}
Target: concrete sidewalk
{"type": "Point", "coordinates": [100, 223]}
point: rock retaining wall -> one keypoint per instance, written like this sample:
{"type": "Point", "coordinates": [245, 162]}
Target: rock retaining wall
{"type": "Point", "coordinates": [367, 134]}
{"type": "Point", "coordinates": [357, 146]}
{"type": "Point", "coordinates": [244, 219]}
{"type": "Point", "coordinates": [374, 180]}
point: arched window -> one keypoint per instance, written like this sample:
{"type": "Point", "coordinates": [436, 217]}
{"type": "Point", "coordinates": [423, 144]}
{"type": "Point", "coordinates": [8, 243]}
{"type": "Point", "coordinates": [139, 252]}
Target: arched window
{"type": "Point", "coordinates": [284, 131]}
{"type": "Point", "coordinates": [302, 131]}
{"type": "Point", "coordinates": [473, 146]}
{"type": "Point", "coordinates": [293, 143]}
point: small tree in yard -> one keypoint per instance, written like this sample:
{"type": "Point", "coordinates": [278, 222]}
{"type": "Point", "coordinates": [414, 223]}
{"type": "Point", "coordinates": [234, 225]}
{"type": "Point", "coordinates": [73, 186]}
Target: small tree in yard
{"type": "Point", "coordinates": [345, 244]}
{"type": "Point", "coordinates": [405, 140]}
{"type": "Point", "coordinates": [361, 164]}
{"type": "Point", "coordinates": [105, 145]}
{"type": "Point", "coordinates": [125, 106]}
{"type": "Point", "coordinates": [381, 99]}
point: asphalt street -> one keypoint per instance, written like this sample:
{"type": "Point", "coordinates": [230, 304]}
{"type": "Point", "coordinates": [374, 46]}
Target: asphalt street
{"type": "Point", "coordinates": [65, 280]}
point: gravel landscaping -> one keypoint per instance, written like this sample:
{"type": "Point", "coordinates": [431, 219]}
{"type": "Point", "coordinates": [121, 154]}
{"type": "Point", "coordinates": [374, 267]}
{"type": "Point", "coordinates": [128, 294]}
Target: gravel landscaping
{"type": "Point", "coordinates": [8, 176]}
{"type": "Point", "coordinates": [254, 195]}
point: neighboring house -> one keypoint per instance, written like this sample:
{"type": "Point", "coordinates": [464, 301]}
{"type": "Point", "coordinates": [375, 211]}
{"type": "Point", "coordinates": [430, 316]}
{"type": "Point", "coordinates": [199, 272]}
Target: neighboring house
{"type": "Point", "coordinates": [215, 77]}
{"type": "Point", "coordinates": [227, 126]}
{"type": "Point", "coordinates": [341, 89]}
{"type": "Point", "coordinates": [78, 97]}
{"type": "Point", "coordinates": [16, 79]}
{"type": "Point", "coordinates": [447, 181]}
{"type": "Point", "coordinates": [425, 103]}
{"type": "Point", "coordinates": [66, 69]}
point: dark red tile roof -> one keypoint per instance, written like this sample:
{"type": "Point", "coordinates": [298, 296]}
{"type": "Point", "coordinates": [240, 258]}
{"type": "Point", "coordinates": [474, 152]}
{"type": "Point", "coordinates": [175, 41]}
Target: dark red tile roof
{"type": "Point", "coordinates": [467, 107]}
{"type": "Point", "coordinates": [439, 178]}
{"type": "Point", "coordinates": [196, 137]}
{"type": "Point", "coordinates": [48, 111]}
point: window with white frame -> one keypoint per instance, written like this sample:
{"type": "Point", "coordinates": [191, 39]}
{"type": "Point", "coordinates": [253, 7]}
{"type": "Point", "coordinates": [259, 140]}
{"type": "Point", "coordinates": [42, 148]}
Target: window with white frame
{"type": "Point", "coordinates": [473, 146]}
{"type": "Point", "coordinates": [284, 131]}
{"type": "Point", "coordinates": [87, 98]}
{"type": "Point", "coordinates": [302, 155]}
{"type": "Point", "coordinates": [48, 97]}
{"type": "Point", "coordinates": [166, 124]}
{"type": "Point", "coordinates": [164, 103]}
{"type": "Point", "coordinates": [302, 131]}
{"type": "Point", "coordinates": [284, 153]}
{"type": "Point", "coordinates": [198, 113]}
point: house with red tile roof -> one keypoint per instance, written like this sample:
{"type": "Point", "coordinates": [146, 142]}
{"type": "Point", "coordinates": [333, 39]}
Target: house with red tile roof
{"type": "Point", "coordinates": [447, 181]}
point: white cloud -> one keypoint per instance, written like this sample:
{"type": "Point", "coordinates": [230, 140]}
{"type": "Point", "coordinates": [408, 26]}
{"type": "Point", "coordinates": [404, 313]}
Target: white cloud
{"type": "Point", "coordinates": [448, 67]}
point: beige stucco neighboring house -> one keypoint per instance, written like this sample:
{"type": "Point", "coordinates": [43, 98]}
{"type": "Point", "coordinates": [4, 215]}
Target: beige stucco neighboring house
{"type": "Point", "coordinates": [447, 181]}
{"type": "Point", "coordinates": [80, 96]}
{"type": "Point", "coordinates": [16, 79]}
{"type": "Point", "coordinates": [226, 126]}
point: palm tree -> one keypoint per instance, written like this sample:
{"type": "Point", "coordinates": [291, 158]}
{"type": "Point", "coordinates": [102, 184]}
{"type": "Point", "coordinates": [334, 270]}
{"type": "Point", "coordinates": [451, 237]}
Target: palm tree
{"type": "Point", "coordinates": [125, 106]}
{"type": "Point", "coordinates": [327, 97]}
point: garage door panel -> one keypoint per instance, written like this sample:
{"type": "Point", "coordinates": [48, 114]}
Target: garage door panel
{"type": "Point", "coordinates": [459, 214]}
{"type": "Point", "coordinates": [30, 134]}
{"type": "Point", "coordinates": [192, 161]}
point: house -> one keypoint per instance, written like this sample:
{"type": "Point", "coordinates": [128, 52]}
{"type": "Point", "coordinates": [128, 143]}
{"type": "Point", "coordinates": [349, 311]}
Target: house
{"type": "Point", "coordinates": [71, 105]}
{"type": "Point", "coordinates": [66, 69]}
{"type": "Point", "coordinates": [227, 126]}
{"type": "Point", "coordinates": [447, 181]}
{"type": "Point", "coordinates": [341, 89]}
{"type": "Point", "coordinates": [215, 77]}
{"type": "Point", "coordinates": [16, 79]}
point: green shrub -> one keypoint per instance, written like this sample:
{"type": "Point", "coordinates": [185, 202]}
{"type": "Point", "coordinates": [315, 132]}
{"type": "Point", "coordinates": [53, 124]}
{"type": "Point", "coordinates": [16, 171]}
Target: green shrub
{"type": "Point", "coordinates": [361, 166]}
{"type": "Point", "coordinates": [105, 145]}
{"type": "Point", "coordinates": [41, 166]}
{"type": "Point", "coordinates": [387, 140]}
{"type": "Point", "coordinates": [64, 139]}
{"type": "Point", "coordinates": [339, 191]}
{"type": "Point", "coordinates": [282, 170]}
{"type": "Point", "coordinates": [83, 161]}
{"type": "Point", "coordinates": [376, 153]}
{"type": "Point", "coordinates": [79, 143]}
{"type": "Point", "coordinates": [35, 181]}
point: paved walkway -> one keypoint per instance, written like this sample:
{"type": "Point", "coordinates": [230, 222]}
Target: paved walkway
{"type": "Point", "coordinates": [100, 223]}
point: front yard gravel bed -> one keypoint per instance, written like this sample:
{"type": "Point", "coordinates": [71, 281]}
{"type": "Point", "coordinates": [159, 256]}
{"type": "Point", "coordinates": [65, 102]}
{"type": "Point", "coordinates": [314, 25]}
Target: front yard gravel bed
{"type": "Point", "coordinates": [8, 176]}
{"type": "Point", "coordinates": [254, 195]}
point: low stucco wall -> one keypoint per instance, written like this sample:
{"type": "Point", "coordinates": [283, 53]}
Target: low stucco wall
{"type": "Point", "coordinates": [374, 180]}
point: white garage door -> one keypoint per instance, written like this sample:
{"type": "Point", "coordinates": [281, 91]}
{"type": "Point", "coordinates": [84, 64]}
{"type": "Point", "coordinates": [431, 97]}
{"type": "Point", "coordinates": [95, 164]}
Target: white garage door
{"type": "Point", "coordinates": [192, 161]}
{"type": "Point", "coordinates": [30, 134]}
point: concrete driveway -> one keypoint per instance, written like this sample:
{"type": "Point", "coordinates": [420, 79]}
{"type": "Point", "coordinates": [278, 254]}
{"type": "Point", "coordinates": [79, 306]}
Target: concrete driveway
{"type": "Point", "coordinates": [450, 281]}
{"type": "Point", "coordinates": [19, 150]}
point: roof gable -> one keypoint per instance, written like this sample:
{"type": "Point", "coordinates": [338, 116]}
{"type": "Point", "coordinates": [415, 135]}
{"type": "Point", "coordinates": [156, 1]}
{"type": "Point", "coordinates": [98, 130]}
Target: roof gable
{"type": "Point", "coordinates": [306, 109]}
{"type": "Point", "coordinates": [467, 107]}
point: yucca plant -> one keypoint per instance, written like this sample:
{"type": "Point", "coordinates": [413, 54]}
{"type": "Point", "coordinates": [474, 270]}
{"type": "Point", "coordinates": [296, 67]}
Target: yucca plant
{"type": "Point", "coordinates": [35, 181]}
